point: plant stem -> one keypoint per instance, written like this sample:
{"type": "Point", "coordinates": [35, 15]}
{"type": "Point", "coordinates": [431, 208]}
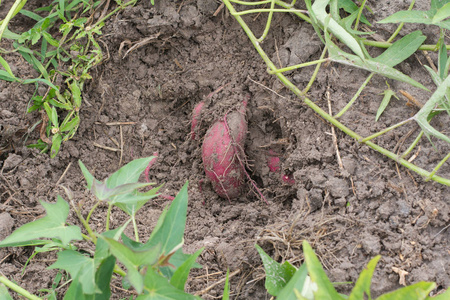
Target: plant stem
{"type": "Point", "coordinates": [83, 221]}
{"type": "Point", "coordinates": [350, 103]}
{"type": "Point", "coordinates": [321, 112]}
{"type": "Point", "coordinates": [385, 130]}
{"type": "Point", "coordinates": [108, 215]}
{"type": "Point", "coordinates": [413, 145]}
{"type": "Point", "coordinates": [269, 21]}
{"type": "Point", "coordinates": [119, 271]}
{"type": "Point", "coordinates": [290, 68]}
{"type": "Point", "coordinates": [131, 2]}
{"type": "Point", "coordinates": [387, 45]}
{"type": "Point", "coordinates": [269, 10]}
{"type": "Point", "coordinates": [15, 8]}
{"type": "Point", "coordinates": [136, 234]}
{"type": "Point", "coordinates": [439, 165]}
{"type": "Point", "coordinates": [359, 14]}
{"type": "Point", "coordinates": [17, 288]}
{"type": "Point", "coordinates": [316, 71]}
{"type": "Point", "coordinates": [400, 26]}
{"type": "Point", "coordinates": [92, 210]}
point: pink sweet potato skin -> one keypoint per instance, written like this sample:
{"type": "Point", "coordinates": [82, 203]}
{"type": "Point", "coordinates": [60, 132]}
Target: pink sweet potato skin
{"type": "Point", "coordinates": [196, 115]}
{"type": "Point", "coordinates": [222, 151]}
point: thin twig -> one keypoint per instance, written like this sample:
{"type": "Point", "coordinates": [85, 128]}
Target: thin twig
{"type": "Point", "coordinates": [333, 133]}
{"type": "Point", "coordinates": [121, 146]}
{"type": "Point", "coordinates": [105, 147]}
{"type": "Point", "coordinates": [204, 291]}
{"type": "Point", "coordinates": [267, 88]}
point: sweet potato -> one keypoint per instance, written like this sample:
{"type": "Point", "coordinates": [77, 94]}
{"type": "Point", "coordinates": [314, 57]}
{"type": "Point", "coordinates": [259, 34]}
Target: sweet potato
{"type": "Point", "coordinates": [223, 153]}
{"type": "Point", "coordinates": [196, 118]}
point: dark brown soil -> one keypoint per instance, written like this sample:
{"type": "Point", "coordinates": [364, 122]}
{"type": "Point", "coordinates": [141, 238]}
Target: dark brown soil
{"type": "Point", "coordinates": [370, 206]}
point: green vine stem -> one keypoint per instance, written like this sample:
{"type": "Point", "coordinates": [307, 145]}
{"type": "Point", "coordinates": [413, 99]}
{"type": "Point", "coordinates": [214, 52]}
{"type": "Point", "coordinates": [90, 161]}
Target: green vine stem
{"type": "Point", "coordinates": [136, 233]}
{"type": "Point", "coordinates": [299, 66]}
{"type": "Point", "coordinates": [385, 130]}
{"type": "Point", "coordinates": [316, 71]}
{"type": "Point", "coordinates": [438, 166]}
{"type": "Point", "coordinates": [359, 14]}
{"type": "Point", "coordinates": [358, 92]}
{"type": "Point", "coordinates": [413, 145]}
{"type": "Point", "coordinates": [400, 26]}
{"type": "Point", "coordinates": [269, 22]}
{"type": "Point", "coordinates": [324, 114]}
{"type": "Point", "coordinates": [108, 215]}
{"type": "Point", "coordinates": [11, 285]}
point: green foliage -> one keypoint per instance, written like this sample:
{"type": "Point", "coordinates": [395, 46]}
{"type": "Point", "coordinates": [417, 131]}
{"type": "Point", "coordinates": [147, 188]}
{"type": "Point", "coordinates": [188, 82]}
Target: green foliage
{"type": "Point", "coordinates": [439, 10]}
{"type": "Point", "coordinates": [157, 269]}
{"type": "Point", "coordinates": [62, 43]}
{"type": "Point", "coordinates": [388, 94]}
{"type": "Point", "coordinates": [277, 275]}
{"type": "Point", "coordinates": [330, 24]}
{"type": "Point", "coordinates": [53, 225]}
{"type": "Point", "coordinates": [311, 282]}
{"type": "Point", "coordinates": [226, 289]}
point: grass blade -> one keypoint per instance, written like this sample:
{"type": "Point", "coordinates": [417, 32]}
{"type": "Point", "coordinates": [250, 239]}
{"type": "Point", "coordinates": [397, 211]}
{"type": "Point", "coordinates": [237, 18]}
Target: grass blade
{"type": "Point", "coordinates": [5, 65]}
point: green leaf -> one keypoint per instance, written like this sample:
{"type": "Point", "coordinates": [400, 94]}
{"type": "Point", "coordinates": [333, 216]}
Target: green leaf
{"type": "Point", "coordinates": [437, 4]}
{"type": "Point", "coordinates": [133, 260]}
{"type": "Point", "coordinates": [56, 144]}
{"type": "Point", "coordinates": [415, 16]}
{"type": "Point", "coordinates": [181, 274]}
{"type": "Point", "coordinates": [226, 288]}
{"type": "Point", "coordinates": [325, 289]}
{"type": "Point", "coordinates": [319, 9]}
{"type": "Point", "coordinates": [158, 287]}
{"type": "Point", "coordinates": [7, 34]}
{"type": "Point", "coordinates": [78, 266]}
{"type": "Point", "coordinates": [48, 110]}
{"type": "Point", "coordinates": [5, 76]}
{"type": "Point", "coordinates": [129, 173]}
{"type": "Point", "coordinates": [299, 283]}
{"type": "Point", "coordinates": [176, 260]}
{"type": "Point", "coordinates": [277, 275]}
{"type": "Point", "coordinates": [50, 39]}
{"type": "Point", "coordinates": [442, 13]}
{"type": "Point", "coordinates": [350, 7]}
{"type": "Point", "coordinates": [102, 192]}
{"type": "Point", "coordinates": [442, 61]}
{"type": "Point", "coordinates": [39, 67]}
{"type": "Point", "coordinates": [54, 117]}
{"type": "Point", "coordinates": [418, 291]}
{"type": "Point", "coordinates": [76, 93]}
{"type": "Point", "coordinates": [50, 226]}
{"type": "Point", "coordinates": [31, 15]}
{"type": "Point", "coordinates": [384, 103]}
{"type": "Point", "coordinates": [87, 175]}
{"type": "Point", "coordinates": [422, 115]}
{"type": "Point", "coordinates": [444, 296]}
{"type": "Point", "coordinates": [170, 233]}
{"type": "Point", "coordinates": [362, 286]}
{"type": "Point", "coordinates": [339, 56]}
{"type": "Point", "coordinates": [45, 81]}
{"type": "Point", "coordinates": [401, 49]}
{"type": "Point", "coordinates": [4, 295]}
{"type": "Point", "coordinates": [5, 65]}
{"type": "Point", "coordinates": [131, 203]}
{"type": "Point", "coordinates": [72, 124]}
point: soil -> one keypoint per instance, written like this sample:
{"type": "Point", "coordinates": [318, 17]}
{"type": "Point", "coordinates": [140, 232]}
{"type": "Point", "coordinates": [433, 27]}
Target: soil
{"type": "Point", "coordinates": [349, 214]}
